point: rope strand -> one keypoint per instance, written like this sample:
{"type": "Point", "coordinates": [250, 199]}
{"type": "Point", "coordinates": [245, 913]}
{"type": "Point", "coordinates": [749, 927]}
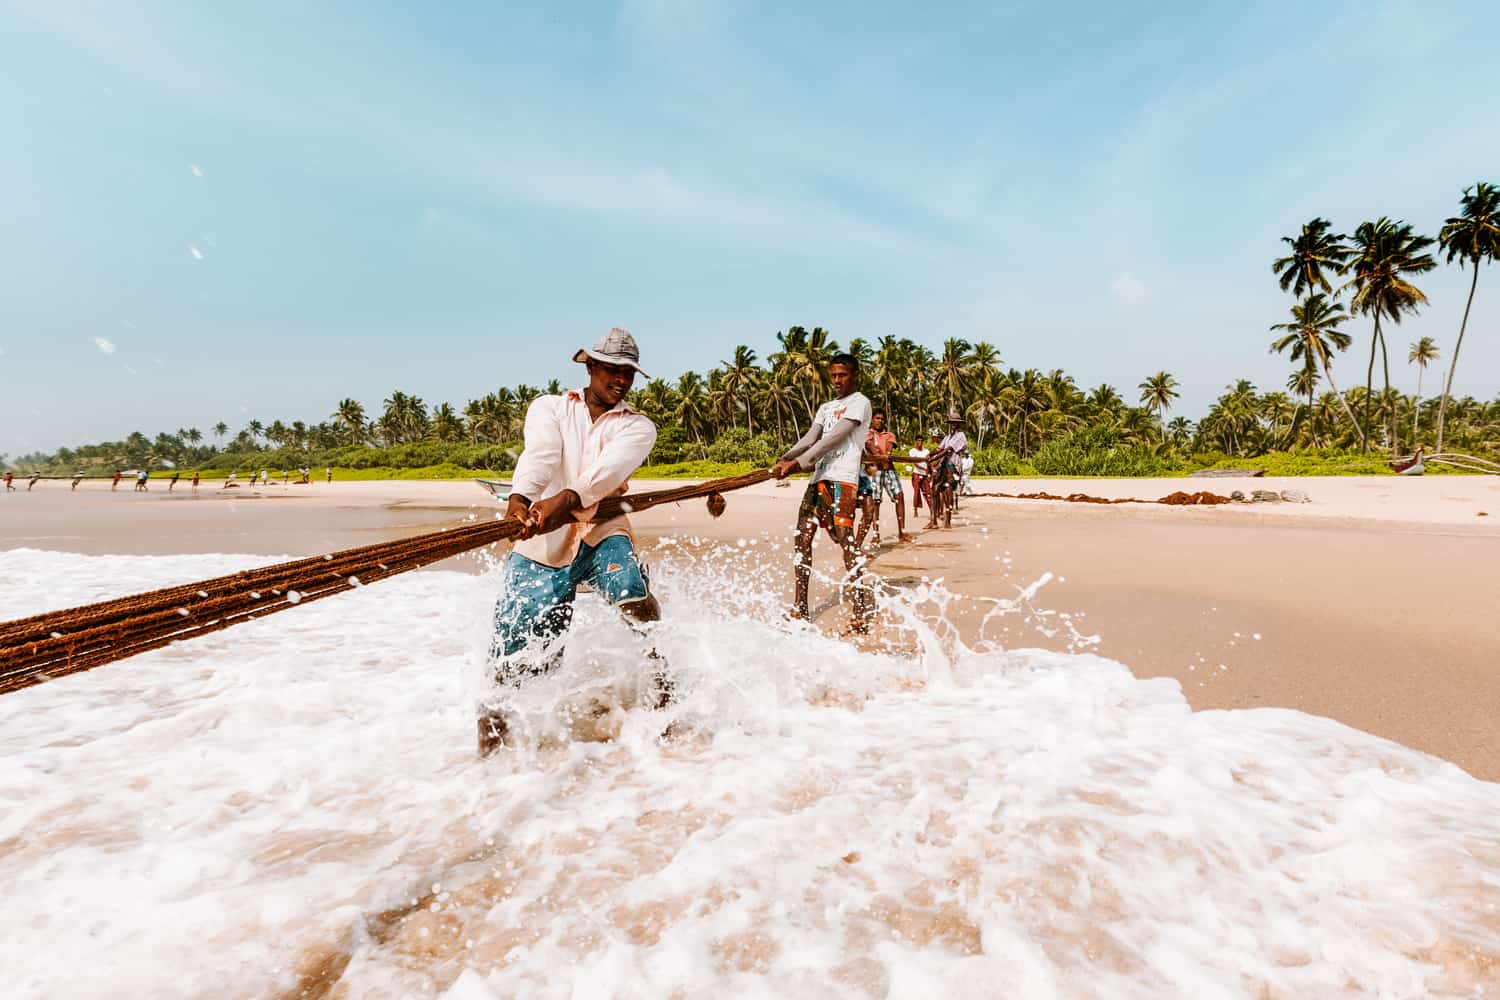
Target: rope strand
{"type": "Point", "coordinates": [57, 643]}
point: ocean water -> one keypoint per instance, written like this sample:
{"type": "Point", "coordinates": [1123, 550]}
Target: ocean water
{"type": "Point", "coordinates": [294, 808]}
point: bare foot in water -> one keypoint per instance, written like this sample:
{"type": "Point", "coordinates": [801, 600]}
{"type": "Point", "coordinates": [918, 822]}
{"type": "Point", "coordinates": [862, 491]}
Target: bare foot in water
{"type": "Point", "coordinates": [492, 731]}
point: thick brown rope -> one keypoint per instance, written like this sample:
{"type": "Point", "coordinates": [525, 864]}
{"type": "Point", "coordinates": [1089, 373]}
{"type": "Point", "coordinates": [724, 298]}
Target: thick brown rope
{"type": "Point", "coordinates": [38, 648]}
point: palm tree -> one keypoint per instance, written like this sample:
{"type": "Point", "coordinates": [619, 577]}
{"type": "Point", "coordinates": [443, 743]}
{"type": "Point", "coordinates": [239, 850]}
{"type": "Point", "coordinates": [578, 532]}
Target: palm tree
{"type": "Point", "coordinates": [1385, 253]}
{"type": "Point", "coordinates": [887, 371]}
{"type": "Point", "coordinates": [1420, 353]}
{"type": "Point", "coordinates": [741, 376]}
{"type": "Point", "coordinates": [811, 367]}
{"type": "Point", "coordinates": [446, 425]}
{"type": "Point", "coordinates": [404, 419]}
{"type": "Point", "coordinates": [349, 418]}
{"type": "Point", "coordinates": [1315, 251]}
{"type": "Point", "coordinates": [1473, 236]}
{"type": "Point", "coordinates": [1027, 397]}
{"type": "Point", "coordinates": [778, 396]}
{"type": "Point", "coordinates": [220, 429]}
{"type": "Point", "coordinates": [956, 362]}
{"type": "Point", "coordinates": [1157, 392]}
{"type": "Point", "coordinates": [1106, 399]}
{"type": "Point", "coordinates": [1302, 382]}
{"type": "Point", "coordinates": [193, 435]}
{"type": "Point", "coordinates": [1313, 335]}
{"type": "Point", "coordinates": [692, 411]}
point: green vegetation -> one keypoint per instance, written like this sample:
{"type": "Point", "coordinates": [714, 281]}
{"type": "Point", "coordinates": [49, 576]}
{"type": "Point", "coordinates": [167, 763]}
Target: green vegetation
{"type": "Point", "coordinates": [743, 413]}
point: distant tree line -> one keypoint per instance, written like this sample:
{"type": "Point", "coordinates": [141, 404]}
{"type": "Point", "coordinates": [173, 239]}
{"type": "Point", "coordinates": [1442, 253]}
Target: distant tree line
{"type": "Point", "coordinates": [749, 409]}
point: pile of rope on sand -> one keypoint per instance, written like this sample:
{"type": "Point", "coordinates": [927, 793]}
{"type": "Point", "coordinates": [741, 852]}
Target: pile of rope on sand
{"type": "Point", "coordinates": [58, 643]}
{"type": "Point", "coordinates": [1177, 499]}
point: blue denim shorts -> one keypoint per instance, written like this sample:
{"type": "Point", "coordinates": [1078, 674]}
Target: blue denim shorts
{"type": "Point", "coordinates": [536, 606]}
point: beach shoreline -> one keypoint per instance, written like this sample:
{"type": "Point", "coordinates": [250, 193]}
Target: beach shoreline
{"type": "Point", "coordinates": [1365, 604]}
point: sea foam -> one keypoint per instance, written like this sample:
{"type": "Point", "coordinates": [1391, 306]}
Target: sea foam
{"type": "Point", "coordinates": [295, 803]}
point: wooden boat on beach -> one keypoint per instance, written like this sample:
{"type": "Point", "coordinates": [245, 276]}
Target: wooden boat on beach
{"type": "Point", "coordinates": [1409, 466]}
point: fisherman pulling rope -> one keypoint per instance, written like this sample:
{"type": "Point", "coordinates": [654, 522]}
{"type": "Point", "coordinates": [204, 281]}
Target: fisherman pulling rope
{"type": "Point", "coordinates": [832, 448]}
{"type": "Point", "coordinates": [579, 448]}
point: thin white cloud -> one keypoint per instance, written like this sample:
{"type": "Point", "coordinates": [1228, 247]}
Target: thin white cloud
{"type": "Point", "coordinates": [197, 254]}
{"type": "Point", "coordinates": [197, 170]}
{"type": "Point", "coordinates": [1129, 289]}
{"type": "Point", "coordinates": [105, 346]}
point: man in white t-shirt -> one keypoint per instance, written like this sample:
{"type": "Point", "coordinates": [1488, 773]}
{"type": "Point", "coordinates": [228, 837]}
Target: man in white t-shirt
{"type": "Point", "coordinates": [832, 449]}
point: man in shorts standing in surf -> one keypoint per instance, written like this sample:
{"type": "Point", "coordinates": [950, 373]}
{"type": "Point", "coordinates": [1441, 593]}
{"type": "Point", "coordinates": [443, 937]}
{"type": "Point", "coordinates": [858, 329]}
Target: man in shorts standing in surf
{"type": "Point", "coordinates": [580, 447]}
{"type": "Point", "coordinates": [832, 448]}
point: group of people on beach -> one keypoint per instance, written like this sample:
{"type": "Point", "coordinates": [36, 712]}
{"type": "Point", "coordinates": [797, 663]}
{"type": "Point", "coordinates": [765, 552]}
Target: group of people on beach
{"type": "Point", "coordinates": [143, 479]}
{"type": "Point", "coordinates": [585, 444]}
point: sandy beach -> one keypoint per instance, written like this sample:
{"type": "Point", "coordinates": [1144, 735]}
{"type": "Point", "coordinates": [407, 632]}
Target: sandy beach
{"type": "Point", "coordinates": [1372, 604]}
{"type": "Point", "coordinates": [1069, 765]}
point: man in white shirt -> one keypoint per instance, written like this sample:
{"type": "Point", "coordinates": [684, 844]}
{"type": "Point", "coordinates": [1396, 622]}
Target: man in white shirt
{"type": "Point", "coordinates": [580, 447]}
{"type": "Point", "coordinates": [832, 448]}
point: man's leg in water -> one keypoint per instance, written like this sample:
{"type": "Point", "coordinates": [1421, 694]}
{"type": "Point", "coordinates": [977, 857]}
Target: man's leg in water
{"type": "Point", "coordinates": [809, 513]}
{"type": "Point", "coordinates": [531, 616]}
{"type": "Point", "coordinates": [616, 573]}
{"type": "Point", "coordinates": [869, 517]}
{"type": "Point", "coordinates": [855, 579]}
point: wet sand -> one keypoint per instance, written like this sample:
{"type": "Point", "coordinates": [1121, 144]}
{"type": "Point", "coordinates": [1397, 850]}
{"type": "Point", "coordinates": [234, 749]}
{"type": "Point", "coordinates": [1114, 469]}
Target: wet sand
{"type": "Point", "coordinates": [1373, 605]}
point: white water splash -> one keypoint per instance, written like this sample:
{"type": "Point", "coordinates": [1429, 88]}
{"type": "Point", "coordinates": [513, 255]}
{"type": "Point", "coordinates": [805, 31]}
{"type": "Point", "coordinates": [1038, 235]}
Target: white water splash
{"type": "Point", "coordinates": [296, 802]}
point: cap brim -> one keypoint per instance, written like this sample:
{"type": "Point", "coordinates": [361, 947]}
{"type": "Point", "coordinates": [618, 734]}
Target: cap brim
{"type": "Point", "coordinates": [583, 354]}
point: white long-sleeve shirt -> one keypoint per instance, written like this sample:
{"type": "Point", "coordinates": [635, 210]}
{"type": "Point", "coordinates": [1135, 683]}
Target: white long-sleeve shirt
{"type": "Point", "coordinates": [566, 449]}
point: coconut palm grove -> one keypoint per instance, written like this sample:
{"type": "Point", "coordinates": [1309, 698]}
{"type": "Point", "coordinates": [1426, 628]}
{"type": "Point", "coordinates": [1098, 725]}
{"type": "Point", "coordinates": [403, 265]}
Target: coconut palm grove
{"type": "Point", "coordinates": [1339, 411]}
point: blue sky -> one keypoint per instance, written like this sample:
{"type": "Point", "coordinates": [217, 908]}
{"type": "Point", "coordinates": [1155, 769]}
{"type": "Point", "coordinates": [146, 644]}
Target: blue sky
{"type": "Point", "coordinates": [224, 211]}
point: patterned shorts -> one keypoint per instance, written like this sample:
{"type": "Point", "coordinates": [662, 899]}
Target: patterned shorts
{"type": "Point", "coordinates": [830, 504]}
{"type": "Point", "coordinates": [536, 606]}
{"type": "Point", "coordinates": [887, 483]}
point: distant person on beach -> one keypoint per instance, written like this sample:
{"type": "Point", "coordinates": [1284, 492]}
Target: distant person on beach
{"type": "Point", "coordinates": [195, 482]}
{"type": "Point", "coordinates": [579, 448]}
{"type": "Point", "coordinates": [919, 477]}
{"type": "Point", "coordinates": [172, 484]}
{"type": "Point", "coordinates": [832, 449]}
{"type": "Point", "coordinates": [329, 470]}
{"type": "Point", "coordinates": [10, 485]}
{"type": "Point", "coordinates": [884, 481]}
{"type": "Point", "coordinates": [140, 481]}
{"type": "Point", "coordinates": [946, 469]}
{"type": "Point", "coordinates": [230, 482]}
{"type": "Point", "coordinates": [965, 472]}
{"type": "Point", "coordinates": [34, 477]}
{"type": "Point", "coordinates": [77, 478]}
{"type": "Point", "coordinates": [115, 483]}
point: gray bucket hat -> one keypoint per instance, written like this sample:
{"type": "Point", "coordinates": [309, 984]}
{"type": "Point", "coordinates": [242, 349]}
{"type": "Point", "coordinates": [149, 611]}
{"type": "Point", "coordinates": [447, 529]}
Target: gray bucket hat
{"type": "Point", "coordinates": [617, 347]}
